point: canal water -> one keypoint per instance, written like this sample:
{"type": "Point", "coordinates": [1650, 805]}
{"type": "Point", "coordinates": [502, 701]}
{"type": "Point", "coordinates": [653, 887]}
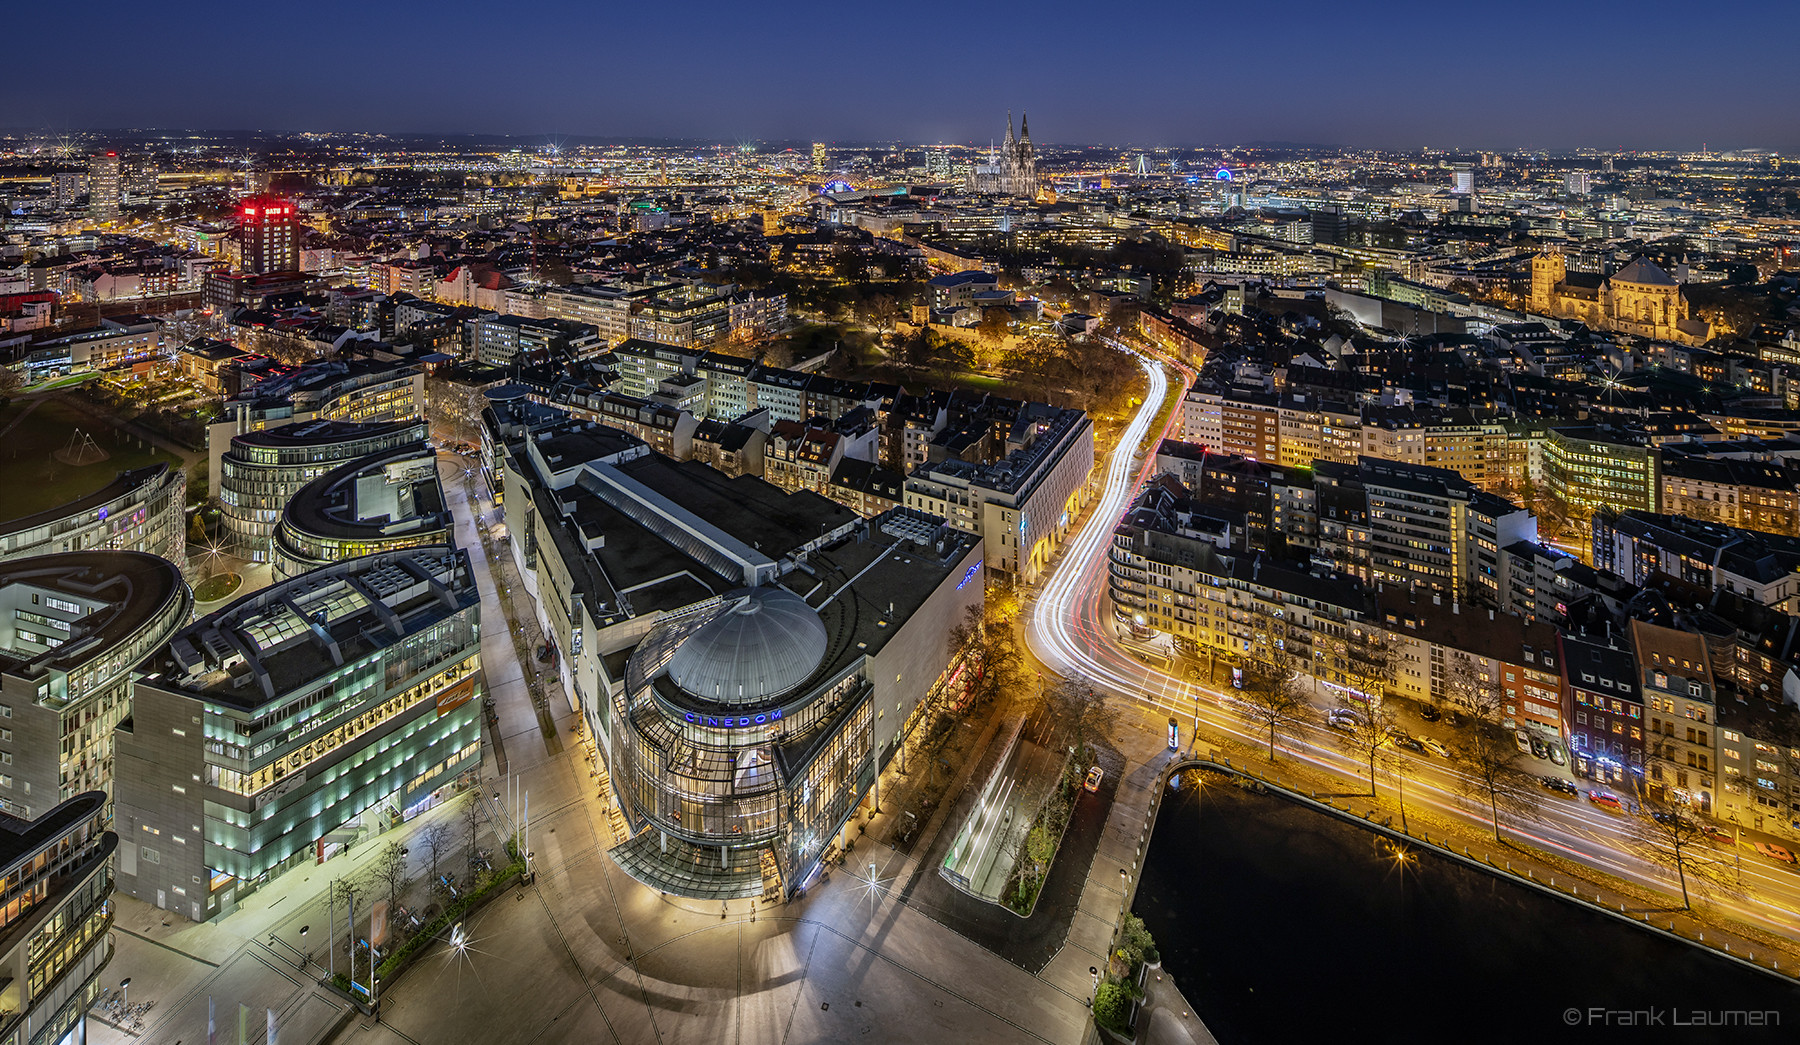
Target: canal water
{"type": "Point", "coordinates": [1282, 924]}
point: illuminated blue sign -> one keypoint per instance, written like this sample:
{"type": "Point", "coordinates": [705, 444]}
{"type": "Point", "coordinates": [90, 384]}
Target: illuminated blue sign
{"type": "Point", "coordinates": [1224, 174]}
{"type": "Point", "coordinates": [729, 722]}
{"type": "Point", "coordinates": [969, 576]}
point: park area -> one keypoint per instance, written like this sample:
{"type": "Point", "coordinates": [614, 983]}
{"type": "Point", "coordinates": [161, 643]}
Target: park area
{"type": "Point", "coordinates": [52, 453]}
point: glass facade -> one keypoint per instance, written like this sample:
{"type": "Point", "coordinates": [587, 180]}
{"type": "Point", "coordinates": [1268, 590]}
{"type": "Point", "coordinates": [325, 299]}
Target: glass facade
{"type": "Point", "coordinates": [740, 797]}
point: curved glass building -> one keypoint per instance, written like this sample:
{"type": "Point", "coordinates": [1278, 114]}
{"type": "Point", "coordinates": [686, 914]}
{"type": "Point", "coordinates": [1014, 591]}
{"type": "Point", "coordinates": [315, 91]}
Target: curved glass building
{"type": "Point", "coordinates": [377, 503]}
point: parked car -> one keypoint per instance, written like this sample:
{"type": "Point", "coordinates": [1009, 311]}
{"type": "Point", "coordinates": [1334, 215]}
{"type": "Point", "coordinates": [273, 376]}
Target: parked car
{"type": "Point", "coordinates": [1538, 747]}
{"type": "Point", "coordinates": [1606, 801]}
{"type": "Point", "coordinates": [1560, 786]}
{"type": "Point", "coordinates": [1715, 833]}
{"type": "Point", "coordinates": [1523, 739]}
{"type": "Point", "coordinates": [1343, 718]}
{"type": "Point", "coordinates": [1436, 746]}
{"type": "Point", "coordinates": [1094, 776]}
{"type": "Point", "coordinates": [1557, 756]}
{"type": "Point", "coordinates": [1429, 713]}
{"type": "Point", "coordinates": [1775, 852]}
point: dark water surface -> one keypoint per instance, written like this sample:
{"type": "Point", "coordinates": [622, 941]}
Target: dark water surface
{"type": "Point", "coordinates": [1281, 924]}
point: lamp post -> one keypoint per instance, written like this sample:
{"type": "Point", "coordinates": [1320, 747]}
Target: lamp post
{"type": "Point", "coordinates": [124, 991]}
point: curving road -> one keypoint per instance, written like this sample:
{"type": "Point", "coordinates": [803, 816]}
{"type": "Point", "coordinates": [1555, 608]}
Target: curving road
{"type": "Point", "coordinates": [1069, 628]}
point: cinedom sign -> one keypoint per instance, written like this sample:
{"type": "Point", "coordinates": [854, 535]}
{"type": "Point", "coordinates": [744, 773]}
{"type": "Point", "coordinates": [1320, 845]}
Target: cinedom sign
{"type": "Point", "coordinates": [730, 722]}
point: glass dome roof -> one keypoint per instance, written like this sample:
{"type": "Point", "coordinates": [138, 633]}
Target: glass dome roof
{"type": "Point", "coordinates": [764, 643]}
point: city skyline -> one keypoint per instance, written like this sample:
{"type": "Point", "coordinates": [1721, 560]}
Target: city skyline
{"type": "Point", "coordinates": [1180, 77]}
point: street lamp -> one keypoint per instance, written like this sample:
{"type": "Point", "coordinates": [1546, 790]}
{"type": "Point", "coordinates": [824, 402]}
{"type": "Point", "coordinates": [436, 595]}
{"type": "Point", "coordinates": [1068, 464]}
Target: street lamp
{"type": "Point", "coordinates": [124, 990]}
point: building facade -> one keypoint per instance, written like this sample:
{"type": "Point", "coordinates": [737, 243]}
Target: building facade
{"type": "Point", "coordinates": [74, 627]}
{"type": "Point", "coordinates": [142, 511]}
{"type": "Point", "coordinates": [263, 471]}
{"type": "Point", "coordinates": [55, 928]}
{"type": "Point", "coordinates": [298, 719]}
{"type": "Point", "coordinates": [382, 502]}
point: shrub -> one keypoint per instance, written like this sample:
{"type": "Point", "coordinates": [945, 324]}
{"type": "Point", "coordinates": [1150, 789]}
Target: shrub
{"type": "Point", "coordinates": [1111, 1007]}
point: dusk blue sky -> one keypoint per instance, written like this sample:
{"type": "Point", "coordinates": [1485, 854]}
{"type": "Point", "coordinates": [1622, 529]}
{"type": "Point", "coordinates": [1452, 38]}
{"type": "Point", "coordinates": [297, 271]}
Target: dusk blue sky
{"type": "Point", "coordinates": [1605, 73]}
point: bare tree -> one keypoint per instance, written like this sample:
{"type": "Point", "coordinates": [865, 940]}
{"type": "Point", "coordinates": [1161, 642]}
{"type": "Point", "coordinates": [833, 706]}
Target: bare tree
{"type": "Point", "coordinates": [436, 840]}
{"type": "Point", "coordinates": [1487, 752]}
{"type": "Point", "coordinates": [1272, 695]}
{"type": "Point", "coordinates": [1083, 714]}
{"type": "Point", "coordinates": [387, 875]}
{"type": "Point", "coordinates": [1675, 838]}
{"type": "Point", "coordinates": [1362, 731]}
{"type": "Point", "coordinates": [470, 820]}
{"type": "Point", "coordinates": [990, 649]}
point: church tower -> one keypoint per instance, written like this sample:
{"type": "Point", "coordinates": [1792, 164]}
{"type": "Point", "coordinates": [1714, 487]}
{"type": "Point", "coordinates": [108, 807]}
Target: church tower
{"type": "Point", "coordinates": [1027, 183]}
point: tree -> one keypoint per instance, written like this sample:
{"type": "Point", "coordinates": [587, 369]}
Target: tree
{"type": "Point", "coordinates": [1135, 940]}
{"type": "Point", "coordinates": [436, 840]}
{"type": "Point", "coordinates": [1111, 1004]}
{"type": "Point", "coordinates": [1487, 752]}
{"type": "Point", "coordinates": [990, 650]}
{"type": "Point", "coordinates": [1040, 848]}
{"type": "Point", "coordinates": [1083, 714]}
{"type": "Point", "coordinates": [994, 326]}
{"type": "Point", "coordinates": [1367, 657]}
{"type": "Point", "coordinates": [1272, 694]}
{"type": "Point", "coordinates": [470, 821]}
{"type": "Point", "coordinates": [387, 875]}
{"type": "Point", "coordinates": [1362, 731]}
{"type": "Point", "coordinates": [1676, 839]}
{"type": "Point", "coordinates": [883, 311]}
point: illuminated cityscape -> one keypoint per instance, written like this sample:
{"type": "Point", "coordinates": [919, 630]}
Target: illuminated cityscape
{"type": "Point", "coordinates": [778, 544]}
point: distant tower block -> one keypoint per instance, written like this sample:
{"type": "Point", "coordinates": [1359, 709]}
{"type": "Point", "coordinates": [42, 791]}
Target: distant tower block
{"type": "Point", "coordinates": [818, 157]}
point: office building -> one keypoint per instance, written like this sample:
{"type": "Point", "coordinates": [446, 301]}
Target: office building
{"type": "Point", "coordinates": [263, 471]}
{"type": "Point", "coordinates": [1462, 180]}
{"type": "Point", "coordinates": [360, 388]}
{"type": "Point", "coordinates": [295, 721]}
{"type": "Point", "coordinates": [818, 157]}
{"type": "Point", "coordinates": [56, 926]}
{"type": "Point", "coordinates": [382, 502]}
{"type": "Point", "coordinates": [142, 510]}
{"type": "Point", "coordinates": [74, 626]}
{"type": "Point", "coordinates": [271, 230]}
{"type": "Point", "coordinates": [505, 340]}
{"type": "Point", "coordinates": [1577, 183]}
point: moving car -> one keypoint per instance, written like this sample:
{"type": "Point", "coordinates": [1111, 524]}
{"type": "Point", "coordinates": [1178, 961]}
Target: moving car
{"type": "Point", "coordinates": [1343, 718]}
{"type": "Point", "coordinates": [1400, 739]}
{"type": "Point", "coordinates": [1094, 776]}
{"type": "Point", "coordinates": [1606, 801]}
{"type": "Point", "coordinates": [1775, 852]}
{"type": "Point", "coordinates": [1560, 786]}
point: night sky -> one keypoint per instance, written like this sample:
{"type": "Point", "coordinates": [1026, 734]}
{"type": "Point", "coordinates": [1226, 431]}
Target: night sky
{"type": "Point", "coordinates": [1510, 73]}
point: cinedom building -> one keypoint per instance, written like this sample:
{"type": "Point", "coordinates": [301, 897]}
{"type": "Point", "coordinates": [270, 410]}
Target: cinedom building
{"type": "Point", "coordinates": [294, 721]}
{"type": "Point", "coordinates": [747, 658]}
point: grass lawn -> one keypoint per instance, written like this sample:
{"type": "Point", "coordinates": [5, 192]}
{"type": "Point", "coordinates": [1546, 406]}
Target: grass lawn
{"type": "Point", "coordinates": [33, 480]}
{"type": "Point", "coordinates": [215, 588]}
